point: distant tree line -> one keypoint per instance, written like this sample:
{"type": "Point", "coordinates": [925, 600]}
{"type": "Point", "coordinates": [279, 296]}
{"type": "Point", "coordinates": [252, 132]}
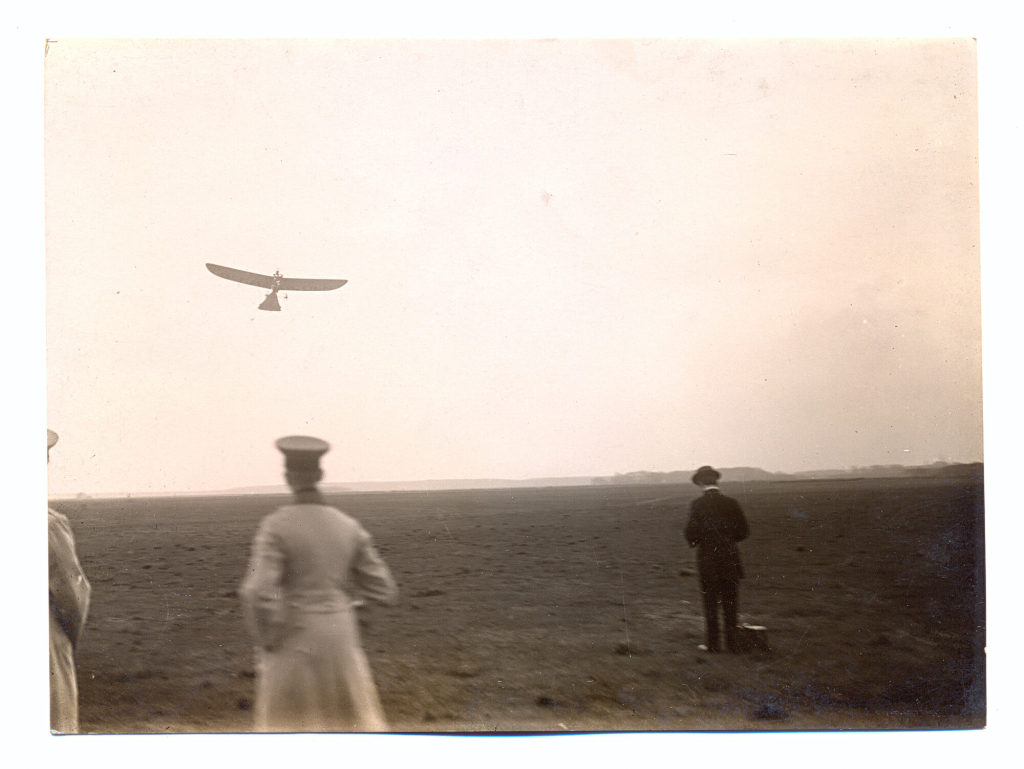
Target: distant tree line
{"type": "Point", "coordinates": [742, 474]}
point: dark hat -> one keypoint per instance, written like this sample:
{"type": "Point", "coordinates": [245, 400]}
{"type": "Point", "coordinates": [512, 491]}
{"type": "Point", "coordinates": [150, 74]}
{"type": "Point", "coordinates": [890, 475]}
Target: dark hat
{"type": "Point", "coordinates": [51, 439]}
{"type": "Point", "coordinates": [301, 452]}
{"type": "Point", "coordinates": [706, 476]}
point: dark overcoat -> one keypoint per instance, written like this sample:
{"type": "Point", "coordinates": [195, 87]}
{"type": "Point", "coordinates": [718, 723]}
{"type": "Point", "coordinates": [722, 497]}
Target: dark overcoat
{"type": "Point", "coordinates": [716, 524]}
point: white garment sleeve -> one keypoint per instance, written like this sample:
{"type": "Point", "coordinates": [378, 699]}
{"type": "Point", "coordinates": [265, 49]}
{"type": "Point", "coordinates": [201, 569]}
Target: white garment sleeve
{"type": "Point", "coordinates": [261, 594]}
{"type": "Point", "coordinates": [69, 589]}
{"type": "Point", "coordinates": [371, 575]}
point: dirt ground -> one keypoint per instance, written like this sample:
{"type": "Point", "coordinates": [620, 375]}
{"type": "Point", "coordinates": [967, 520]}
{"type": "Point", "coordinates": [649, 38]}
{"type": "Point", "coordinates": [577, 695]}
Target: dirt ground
{"type": "Point", "coordinates": [565, 610]}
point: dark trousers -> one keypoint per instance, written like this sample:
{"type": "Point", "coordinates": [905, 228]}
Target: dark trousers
{"type": "Point", "coordinates": [725, 593]}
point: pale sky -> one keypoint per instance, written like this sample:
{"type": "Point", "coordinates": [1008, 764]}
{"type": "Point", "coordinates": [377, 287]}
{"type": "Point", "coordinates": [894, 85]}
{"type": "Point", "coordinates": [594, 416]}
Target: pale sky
{"type": "Point", "coordinates": [564, 257]}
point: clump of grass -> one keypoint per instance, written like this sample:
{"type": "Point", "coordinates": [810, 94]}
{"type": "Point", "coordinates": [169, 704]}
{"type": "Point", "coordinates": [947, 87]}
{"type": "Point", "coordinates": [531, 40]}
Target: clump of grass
{"type": "Point", "coordinates": [629, 649]}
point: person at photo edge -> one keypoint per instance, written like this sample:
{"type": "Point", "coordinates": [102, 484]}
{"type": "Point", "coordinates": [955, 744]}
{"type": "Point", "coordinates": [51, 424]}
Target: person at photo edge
{"type": "Point", "coordinates": [716, 524]}
{"type": "Point", "coordinates": [69, 606]}
{"type": "Point", "coordinates": [311, 565]}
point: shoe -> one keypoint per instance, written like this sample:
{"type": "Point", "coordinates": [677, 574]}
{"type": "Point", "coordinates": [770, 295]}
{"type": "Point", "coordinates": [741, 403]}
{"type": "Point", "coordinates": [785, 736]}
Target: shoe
{"type": "Point", "coordinates": [706, 648]}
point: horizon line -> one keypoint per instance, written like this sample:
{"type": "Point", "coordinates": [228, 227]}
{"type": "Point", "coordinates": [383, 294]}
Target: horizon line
{"type": "Point", "coordinates": [270, 488]}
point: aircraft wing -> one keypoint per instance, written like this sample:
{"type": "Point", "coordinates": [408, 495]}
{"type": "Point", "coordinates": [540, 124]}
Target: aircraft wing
{"type": "Point", "coordinates": [241, 276]}
{"type": "Point", "coordinates": [267, 281]}
{"type": "Point", "coordinates": [311, 284]}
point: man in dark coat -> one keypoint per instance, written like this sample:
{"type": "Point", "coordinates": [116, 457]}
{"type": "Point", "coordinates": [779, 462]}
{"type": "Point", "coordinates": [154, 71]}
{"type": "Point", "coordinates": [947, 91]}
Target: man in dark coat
{"type": "Point", "coordinates": [716, 524]}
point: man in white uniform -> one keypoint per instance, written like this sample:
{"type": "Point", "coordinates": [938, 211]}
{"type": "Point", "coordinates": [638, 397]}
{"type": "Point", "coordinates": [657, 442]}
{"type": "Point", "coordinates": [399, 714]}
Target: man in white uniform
{"type": "Point", "coordinates": [310, 564]}
{"type": "Point", "coordinates": [69, 605]}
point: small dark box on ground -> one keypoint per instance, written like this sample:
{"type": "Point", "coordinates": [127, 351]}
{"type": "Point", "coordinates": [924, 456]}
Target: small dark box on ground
{"type": "Point", "coordinates": [752, 639]}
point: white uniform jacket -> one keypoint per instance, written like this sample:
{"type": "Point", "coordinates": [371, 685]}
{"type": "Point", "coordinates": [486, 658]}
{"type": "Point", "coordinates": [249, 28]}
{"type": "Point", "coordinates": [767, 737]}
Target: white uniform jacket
{"type": "Point", "coordinates": [310, 563]}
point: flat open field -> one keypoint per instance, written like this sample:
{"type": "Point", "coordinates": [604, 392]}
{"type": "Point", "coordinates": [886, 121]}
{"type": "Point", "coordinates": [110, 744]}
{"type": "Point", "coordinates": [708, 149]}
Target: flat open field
{"type": "Point", "coordinates": [565, 609]}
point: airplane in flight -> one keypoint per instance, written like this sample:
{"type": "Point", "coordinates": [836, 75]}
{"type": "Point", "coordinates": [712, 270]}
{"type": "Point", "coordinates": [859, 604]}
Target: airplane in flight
{"type": "Point", "coordinates": [276, 282]}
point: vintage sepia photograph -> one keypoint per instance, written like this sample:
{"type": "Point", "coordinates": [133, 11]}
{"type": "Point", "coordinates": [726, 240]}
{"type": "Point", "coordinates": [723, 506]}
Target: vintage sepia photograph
{"type": "Point", "coordinates": [513, 386]}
